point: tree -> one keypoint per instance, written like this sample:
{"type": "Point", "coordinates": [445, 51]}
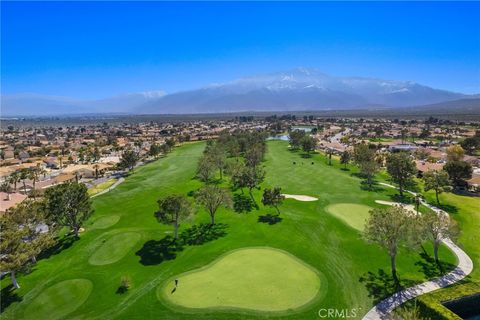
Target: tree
{"type": "Point", "coordinates": [218, 157]}
{"type": "Point", "coordinates": [329, 153]}
{"type": "Point", "coordinates": [213, 197]}
{"type": "Point", "coordinates": [170, 143]}
{"type": "Point", "coordinates": [129, 160]}
{"type": "Point", "coordinates": [172, 210]}
{"type": "Point", "coordinates": [254, 155]}
{"type": "Point", "coordinates": [389, 228]}
{"type": "Point", "coordinates": [205, 168]}
{"type": "Point", "coordinates": [69, 205]}
{"type": "Point", "coordinates": [345, 158]}
{"type": "Point", "coordinates": [154, 150]}
{"type": "Point", "coordinates": [458, 171]}
{"type": "Point", "coordinates": [295, 137]}
{"type": "Point", "coordinates": [15, 178]}
{"type": "Point", "coordinates": [23, 238]}
{"type": "Point", "coordinates": [401, 169]}
{"type": "Point", "coordinates": [436, 180]}
{"type": "Point", "coordinates": [364, 157]}
{"type": "Point", "coordinates": [252, 178]}
{"type": "Point", "coordinates": [273, 197]}
{"type": "Point", "coordinates": [24, 175]}
{"type": "Point", "coordinates": [437, 226]}
{"type": "Point", "coordinates": [308, 144]}
{"type": "Point", "coordinates": [471, 144]}
{"type": "Point", "coordinates": [34, 175]}
{"type": "Point", "coordinates": [455, 153]}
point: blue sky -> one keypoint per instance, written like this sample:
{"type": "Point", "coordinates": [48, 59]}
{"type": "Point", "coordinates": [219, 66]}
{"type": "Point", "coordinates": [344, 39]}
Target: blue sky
{"type": "Point", "coordinates": [99, 49]}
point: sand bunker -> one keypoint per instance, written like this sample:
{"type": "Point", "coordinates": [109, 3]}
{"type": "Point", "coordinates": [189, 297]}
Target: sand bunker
{"type": "Point", "coordinates": [407, 207]}
{"type": "Point", "coordinates": [299, 197]}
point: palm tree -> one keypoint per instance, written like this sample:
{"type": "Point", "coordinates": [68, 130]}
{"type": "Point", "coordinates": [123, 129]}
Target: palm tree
{"type": "Point", "coordinates": [96, 166]}
{"type": "Point", "coordinates": [15, 178]}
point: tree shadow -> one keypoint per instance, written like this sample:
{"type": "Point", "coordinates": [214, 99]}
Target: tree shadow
{"type": "Point", "coordinates": [344, 169]}
{"type": "Point", "coordinates": [8, 296]}
{"type": "Point", "coordinates": [430, 268]}
{"type": "Point", "coordinates": [270, 219]}
{"type": "Point", "coordinates": [405, 199]}
{"type": "Point", "coordinates": [306, 155]}
{"type": "Point", "coordinates": [243, 203]}
{"type": "Point", "coordinates": [381, 284]}
{"type": "Point", "coordinates": [202, 233]}
{"type": "Point", "coordinates": [154, 252]}
{"type": "Point", "coordinates": [121, 290]}
{"type": "Point", "coordinates": [447, 207]}
{"type": "Point", "coordinates": [370, 187]}
{"type": "Point", "coordinates": [62, 244]}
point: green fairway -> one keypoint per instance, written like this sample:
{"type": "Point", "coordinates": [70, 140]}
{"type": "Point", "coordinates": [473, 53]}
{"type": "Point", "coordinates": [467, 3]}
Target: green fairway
{"type": "Point", "coordinates": [59, 300]}
{"type": "Point", "coordinates": [115, 248]}
{"type": "Point", "coordinates": [104, 222]}
{"type": "Point", "coordinates": [261, 279]}
{"type": "Point", "coordinates": [123, 239]}
{"type": "Point", "coordinates": [355, 215]}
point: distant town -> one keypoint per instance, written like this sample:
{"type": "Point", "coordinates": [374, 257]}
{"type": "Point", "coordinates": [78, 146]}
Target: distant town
{"type": "Point", "coordinates": [36, 158]}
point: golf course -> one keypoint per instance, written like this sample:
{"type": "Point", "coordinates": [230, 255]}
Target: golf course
{"type": "Point", "coordinates": [312, 256]}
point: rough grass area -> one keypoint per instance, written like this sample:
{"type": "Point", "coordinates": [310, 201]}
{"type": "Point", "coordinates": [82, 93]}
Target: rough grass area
{"type": "Point", "coordinates": [354, 215]}
{"type": "Point", "coordinates": [101, 186]}
{"type": "Point", "coordinates": [59, 300]}
{"type": "Point", "coordinates": [261, 279]}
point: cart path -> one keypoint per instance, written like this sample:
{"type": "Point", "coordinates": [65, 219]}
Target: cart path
{"type": "Point", "coordinates": [464, 268]}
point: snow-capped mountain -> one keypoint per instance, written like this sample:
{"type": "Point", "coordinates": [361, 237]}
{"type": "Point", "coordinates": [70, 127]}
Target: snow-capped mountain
{"type": "Point", "coordinates": [295, 90]}
{"type": "Point", "coordinates": [298, 89]}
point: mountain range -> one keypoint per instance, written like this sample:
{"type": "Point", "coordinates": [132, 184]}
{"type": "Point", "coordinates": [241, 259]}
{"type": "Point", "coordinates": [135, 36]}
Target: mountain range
{"type": "Point", "coordinates": [295, 90]}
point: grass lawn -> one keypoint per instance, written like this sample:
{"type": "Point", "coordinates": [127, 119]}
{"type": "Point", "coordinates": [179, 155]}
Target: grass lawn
{"type": "Point", "coordinates": [465, 210]}
{"type": "Point", "coordinates": [101, 186]}
{"type": "Point", "coordinates": [275, 281]}
{"type": "Point", "coordinates": [353, 273]}
{"type": "Point", "coordinates": [59, 300]}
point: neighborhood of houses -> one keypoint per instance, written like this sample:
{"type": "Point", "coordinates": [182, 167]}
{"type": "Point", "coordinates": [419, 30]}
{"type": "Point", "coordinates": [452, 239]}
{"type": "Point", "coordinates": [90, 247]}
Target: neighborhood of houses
{"type": "Point", "coordinates": [34, 158]}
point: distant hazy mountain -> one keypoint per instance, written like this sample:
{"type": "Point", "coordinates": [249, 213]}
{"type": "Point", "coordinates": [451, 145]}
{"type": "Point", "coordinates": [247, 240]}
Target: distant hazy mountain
{"type": "Point", "coordinates": [29, 104]}
{"type": "Point", "coordinates": [299, 89]}
{"type": "Point", "coordinates": [296, 90]}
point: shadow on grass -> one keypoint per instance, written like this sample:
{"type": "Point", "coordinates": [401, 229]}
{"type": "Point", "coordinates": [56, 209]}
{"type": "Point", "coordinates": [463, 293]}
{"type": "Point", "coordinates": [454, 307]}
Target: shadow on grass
{"type": "Point", "coordinates": [62, 244]}
{"type": "Point", "coordinates": [8, 296]}
{"type": "Point", "coordinates": [405, 199]}
{"type": "Point", "coordinates": [381, 284]}
{"type": "Point", "coordinates": [370, 187]}
{"type": "Point", "coordinates": [446, 207]}
{"type": "Point", "coordinates": [243, 203]}
{"type": "Point", "coordinates": [270, 219]}
{"type": "Point", "coordinates": [202, 233]}
{"type": "Point", "coordinates": [430, 268]}
{"type": "Point", "coordinates": [154, 252]}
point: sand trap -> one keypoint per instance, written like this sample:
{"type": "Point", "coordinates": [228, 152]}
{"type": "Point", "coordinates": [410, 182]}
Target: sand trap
{"type": "Point", "coordinates": [407, 207]}
{"type": "Point", "coordinates": [299, 197]}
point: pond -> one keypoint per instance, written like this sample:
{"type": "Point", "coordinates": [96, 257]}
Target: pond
{"type": "Point", "coordinates": [467, 308]}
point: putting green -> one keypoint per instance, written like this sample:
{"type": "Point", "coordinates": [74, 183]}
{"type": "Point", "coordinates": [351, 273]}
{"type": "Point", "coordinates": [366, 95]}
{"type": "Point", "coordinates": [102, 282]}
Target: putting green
{"type": "Point", "coordinates": [115, 248]}
{"type": "Point", "coordinates": [59, 300]}
{"type": "Point", "coordinates": [262, 279]}
{"type": "Point", "coordinates": [352, 214]}
{"type": "Point", "coordinates": [104, 222]}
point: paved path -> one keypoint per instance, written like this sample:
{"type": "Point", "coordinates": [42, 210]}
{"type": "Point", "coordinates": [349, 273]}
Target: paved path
{"type": "Point", "coordinates": [113, 186]}
{"type": "Point", "coordinates": [464, 267]}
